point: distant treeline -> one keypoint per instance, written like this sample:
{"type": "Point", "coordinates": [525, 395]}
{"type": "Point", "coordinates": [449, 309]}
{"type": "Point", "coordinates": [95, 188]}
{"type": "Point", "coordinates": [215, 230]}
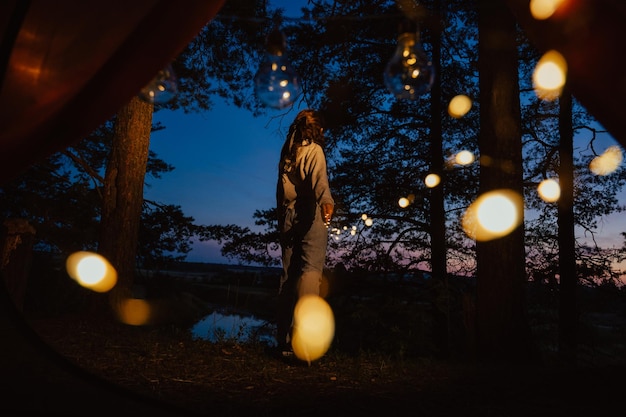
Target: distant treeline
{"type": "Point", "coordinates": [217, 267]}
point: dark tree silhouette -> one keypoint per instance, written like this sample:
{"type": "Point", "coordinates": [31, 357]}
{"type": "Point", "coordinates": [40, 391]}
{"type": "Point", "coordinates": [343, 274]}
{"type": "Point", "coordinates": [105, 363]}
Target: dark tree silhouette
{"type": "Point", "coordinates": [501, 328]}
{"type": "Point", "coordinates": [568, 280]}
{"type": "Point", "coordinates": [438, 247]}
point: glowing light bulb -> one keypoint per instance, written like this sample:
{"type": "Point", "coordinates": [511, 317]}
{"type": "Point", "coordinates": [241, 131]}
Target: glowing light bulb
{"type": "Point", "coordinates": [608, 162]}
{"type": "Point", "coordinates": [91, 270]}
{"type": "Point", "coordinates": [459, 106]}
{"type": "Point", "coordinates": [549, 190]}
{"type": "Point", "coordinates": [162, 88]}
{"type": "Point", "coordinates": [544, 9]}
{"type": "Point", "coordinates": [276, 83]}
{"type": "Point", "coordinates": [464, 158]}
{"type": "Point", "coordinates": [549, 76]}
{"type": "Point", "coordinates": [493, 215]}
{"type": "Point", "coordinates": [432, 180]}
{"type": "Point", "coordinates": [409, 73]}
{"type": "Point", "coordinates": [314, 328]}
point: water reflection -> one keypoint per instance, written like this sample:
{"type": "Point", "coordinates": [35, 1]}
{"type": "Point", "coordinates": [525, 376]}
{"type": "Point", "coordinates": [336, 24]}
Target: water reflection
{"type": "Point", "coordinates": [224, 325]}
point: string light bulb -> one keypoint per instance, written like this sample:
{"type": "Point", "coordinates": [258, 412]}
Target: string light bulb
{"type": "Point", "coordinates": [276, 83]}
{"type": "Point", "coordinates": [409, 73]}
{"type": "Point", "coordinates": [162, 88]}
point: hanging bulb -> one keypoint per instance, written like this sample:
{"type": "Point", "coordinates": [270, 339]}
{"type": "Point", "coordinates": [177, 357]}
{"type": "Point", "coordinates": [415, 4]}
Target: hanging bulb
{"type": "Point", "coordinates": [409, 73]}
{"type": "Point", "coordinates": [276, 83]}
{"type": "Point", "coordinates": [162, 88]}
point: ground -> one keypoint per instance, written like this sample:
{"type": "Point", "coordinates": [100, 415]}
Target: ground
{"type": "Point", "coordinates": [57, 362]}
{"type": "Point", "coordinates": [161, 371]}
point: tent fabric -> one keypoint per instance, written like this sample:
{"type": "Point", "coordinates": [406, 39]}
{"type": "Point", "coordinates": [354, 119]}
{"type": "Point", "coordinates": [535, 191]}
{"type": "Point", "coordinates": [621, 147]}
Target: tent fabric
{"type": "Point", "coordinates": [66, 66]}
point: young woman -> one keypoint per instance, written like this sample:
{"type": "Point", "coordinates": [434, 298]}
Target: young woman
{"type": "Point", "coordinates": [305, 207]}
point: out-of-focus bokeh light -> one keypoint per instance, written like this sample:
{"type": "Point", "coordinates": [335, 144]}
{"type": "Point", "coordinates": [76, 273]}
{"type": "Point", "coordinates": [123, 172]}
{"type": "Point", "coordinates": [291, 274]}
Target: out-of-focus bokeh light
{"type": "Point", "coordinates": [369, 221]}
{"type": "Point", "coordinates": [403, 202]}
{"type": "Point", "coordinates": [549, 76]}
{"type": "Point", "coordinates": [432, 180]}
{"type": "Point", "coordinates": [549, 190]}
{"type": "Point", "coordinates": [464, 158]}
{"type": "Point", "coordinates": [543, 9]}
{"type": "Point", "coordinates": [493, 215]}
{"type": "Point", "coordinates": [608, 162]}
{"type": "Point", "coordinates": [459, 106]}
{"type": "Point", "coordinates": [91, 270]}
{"type": "Point", "coordinates": [363, 216]}
{"type": "Point", "coordinates": [135, 311]}
{"type": "Point", "coordinates": [314, 328]}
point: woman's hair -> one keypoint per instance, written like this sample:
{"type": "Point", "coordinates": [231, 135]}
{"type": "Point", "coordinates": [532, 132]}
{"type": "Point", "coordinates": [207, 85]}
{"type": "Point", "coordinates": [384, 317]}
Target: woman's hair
{"type": "Point", "coordinates": [306, 128]}
{"type": "Point", "coordinates": [308, 125]}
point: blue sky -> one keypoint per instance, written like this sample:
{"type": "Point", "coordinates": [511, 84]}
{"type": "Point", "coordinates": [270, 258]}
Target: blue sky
{"type": "Point", "coordinates": [225, 166]}
{"type": "Point", "coordinates": [225, 161]}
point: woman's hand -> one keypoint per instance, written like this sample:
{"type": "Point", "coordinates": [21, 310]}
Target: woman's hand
{"type": "Point", "coordinates": [327, 212]}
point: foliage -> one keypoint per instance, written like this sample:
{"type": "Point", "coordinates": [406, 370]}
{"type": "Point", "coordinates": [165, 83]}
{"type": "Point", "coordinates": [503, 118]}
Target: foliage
{"type": "Point", "coordinates": [60, 204]}
{"type": "Point", "coordinates": [165, 235]}
{"type": "Point", "coordinates": [252, 248]}
{"type": "Point", "coordinates": [379, 147]}
{"type": "Point", "coordinates": [61, 197]}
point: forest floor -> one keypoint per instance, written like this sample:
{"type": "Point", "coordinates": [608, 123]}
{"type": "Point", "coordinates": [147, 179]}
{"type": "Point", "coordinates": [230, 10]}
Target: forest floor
{"type": "Point", "coordinates": [163, 371]}
{"type": "Point", "coordinates": [195, 377]}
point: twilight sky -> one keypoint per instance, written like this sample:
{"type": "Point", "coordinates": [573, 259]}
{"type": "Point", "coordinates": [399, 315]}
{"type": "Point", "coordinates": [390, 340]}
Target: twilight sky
{"type": "Point", "coordinates": [226, 161]}
{"type": "Point", "coordinates": [226, 166]}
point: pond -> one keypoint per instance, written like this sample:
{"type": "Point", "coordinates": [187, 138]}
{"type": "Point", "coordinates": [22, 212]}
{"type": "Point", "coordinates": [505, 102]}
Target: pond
{"type": "Point", "coordinates": [224, 324]}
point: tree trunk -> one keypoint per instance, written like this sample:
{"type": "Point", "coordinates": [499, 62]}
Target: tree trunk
{"type": "Point", "coordinates": [502, 332]}
{"type": "Point", "coordinates": [438, 260]}
{"type": "Point", "coordinates": [123, 194]}
{"type": "Point", "coordinates": [568, 314]}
